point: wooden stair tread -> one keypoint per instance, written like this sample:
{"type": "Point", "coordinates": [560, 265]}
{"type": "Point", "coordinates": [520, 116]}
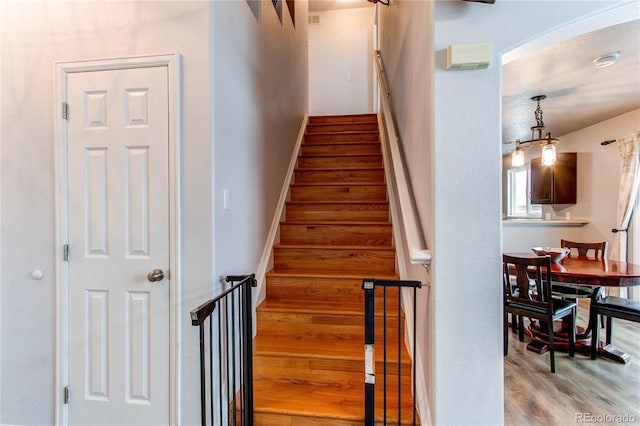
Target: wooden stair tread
{"type": "Point", "coordinates": [348, 154]}
{"type": "Point", "coordinates": [338, 162]}
{"type": "Point", "coordinates": [303, 332]}
{"type": "Point", "coordinates": [336, 233]}
{"type": "Point", "coordinates": [344, 132]}
{"type": "Point", "coordinates": [327, 347]}
{"type": "Point", "coordinates": [340, 398]}
{"type": "Point", "coordinates": [339, 203]}
{"type": "Point", "coordinates": [353, 308]}
{"type": "Point", "coordinates": [360, 136]}
{"type": "Point", "coordinates": [275, 273]}
{"type": "Point", "coordinates": [322, 347]}
{"type": "Point", "coordinates": [313, 184]}
{"type": "Point", "coordinates": [347, 122]}
{"type": "Point", "coordinates": [343, 151]}
{"type": "Point", "coordinates": [347, 177]}
{"type": "Point", "coordinates": [326, 169]}
{"type": "Point", "coordinates": [321, 270]}
{"type": "Point", "coordinates": [318, 363]}
{"type": "Point", "coordinates": [325, 288]}
{"type": "Point", "coordinates": [340, 128]}
{"type": "Point", "coordinates": [326, 144]}
{"type": "Point", "coordinates": [315, 215]}
{"type": "Point", "coordinates": [339, 118]}
{"type": "Point", "coordinates": [342, 379]}
{"type": "Point", "coordinates": [334, 223]}
{"type": "Point", "coordinates": [327, 309]}
{"type": "Point", "coordinates": [342, 191]}
{"type": "Point", "coordinates": [341, 155]}
{"type": "Point", "coordinates": [332, 247]}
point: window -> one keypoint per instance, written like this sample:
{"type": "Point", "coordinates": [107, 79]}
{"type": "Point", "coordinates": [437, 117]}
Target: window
{"type": "Point", "coordinates": [518, 190]}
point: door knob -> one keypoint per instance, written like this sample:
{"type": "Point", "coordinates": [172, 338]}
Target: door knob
{"type": "Point", "coordinates": [155, 276]}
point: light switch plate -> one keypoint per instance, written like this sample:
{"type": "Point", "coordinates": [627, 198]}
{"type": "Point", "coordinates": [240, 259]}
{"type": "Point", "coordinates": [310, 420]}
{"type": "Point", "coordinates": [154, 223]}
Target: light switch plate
{"type": "Point", "coordinates": [225, 199]}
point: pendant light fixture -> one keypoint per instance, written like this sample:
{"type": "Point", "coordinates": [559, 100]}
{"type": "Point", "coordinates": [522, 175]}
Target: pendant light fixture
{"type": "Point", "coordinates": [546, 142]}
{"type": "Point", "coordinates": [517, 158]}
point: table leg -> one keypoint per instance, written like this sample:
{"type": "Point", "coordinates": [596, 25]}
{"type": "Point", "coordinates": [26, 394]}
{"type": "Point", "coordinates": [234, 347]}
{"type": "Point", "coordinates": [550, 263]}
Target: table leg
{"type": "Point", "coordinates": [609, 352]}
{"type": "Point", "coordinates": [540, 339]}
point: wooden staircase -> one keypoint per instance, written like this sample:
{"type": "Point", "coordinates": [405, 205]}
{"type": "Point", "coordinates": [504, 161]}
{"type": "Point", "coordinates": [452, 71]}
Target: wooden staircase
{"type": "Point", "coordinates": [309, 348]}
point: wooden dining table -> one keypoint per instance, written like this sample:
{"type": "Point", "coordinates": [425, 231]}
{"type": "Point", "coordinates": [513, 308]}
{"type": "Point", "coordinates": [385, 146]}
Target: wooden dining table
{"type": "Point", "coordinates": [595, 274]}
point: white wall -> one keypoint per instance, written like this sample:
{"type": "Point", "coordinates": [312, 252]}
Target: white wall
{"type": "Point", "coordinates": [406, 42]}
{"type": "Point", "coordinates": [340, 45]}
{"type": "Point", "coordinates": [252, 150]}
{"type": "Point", "coordinates": [259, 101]}
{"type": "Point", "coordinates": [34, 35]}
{"type": "Point", "coordinates": [597, 197]}
{"type": "Point", "coordinates": [455, 164]}
{"type": "Point", "coordinates": [260, 88]}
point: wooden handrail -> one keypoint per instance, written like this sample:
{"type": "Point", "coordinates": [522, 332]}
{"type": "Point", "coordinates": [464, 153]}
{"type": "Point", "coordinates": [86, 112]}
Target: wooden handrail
{"type": "Point", "coordinates": [418, 252]}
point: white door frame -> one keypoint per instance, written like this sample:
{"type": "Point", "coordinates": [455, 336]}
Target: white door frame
{"type": "Point", "coordinates": [62, 70]}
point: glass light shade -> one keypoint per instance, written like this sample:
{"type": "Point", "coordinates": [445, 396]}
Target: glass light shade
{"type": "Point", "coordinates": [517, 158]}
{"type": "Point", "coordinates": [548, 155]}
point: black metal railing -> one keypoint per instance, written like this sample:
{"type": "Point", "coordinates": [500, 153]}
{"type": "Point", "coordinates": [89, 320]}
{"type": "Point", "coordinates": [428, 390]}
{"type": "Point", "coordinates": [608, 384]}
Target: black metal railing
{"type": "Point", "coordinates": [389, 373]}
{"type": "Point", "coordinates": [229, 364]}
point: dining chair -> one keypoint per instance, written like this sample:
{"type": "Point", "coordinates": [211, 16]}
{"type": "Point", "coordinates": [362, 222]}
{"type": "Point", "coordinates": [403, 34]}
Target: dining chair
{"type": "Point", "coordinates": [599, 249]}
{"type": "Point", "coordinates": [577, 291]}
{"type": "Point", "coordinates": [611, 307]}
{"type": "Point", "coordinates": [521, 300]}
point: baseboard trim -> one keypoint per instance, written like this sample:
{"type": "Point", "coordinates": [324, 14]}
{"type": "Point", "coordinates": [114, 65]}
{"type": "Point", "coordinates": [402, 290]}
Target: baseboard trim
{"type": "Point", "coordinates": [267, 253]}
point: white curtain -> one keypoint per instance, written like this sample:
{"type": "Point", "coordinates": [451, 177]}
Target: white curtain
{"type": "Point", "coordinates": [629, 150]}
{"type": "Point", "coordinates": [633, 252]}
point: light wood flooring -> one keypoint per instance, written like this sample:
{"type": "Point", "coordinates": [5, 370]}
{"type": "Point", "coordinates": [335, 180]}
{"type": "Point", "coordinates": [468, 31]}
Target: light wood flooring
{"type": "Point", "coordinates": [580, 387]}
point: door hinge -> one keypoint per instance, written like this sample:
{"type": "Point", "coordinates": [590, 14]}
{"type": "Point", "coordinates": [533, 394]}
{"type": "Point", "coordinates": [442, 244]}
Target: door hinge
{"type": "Point", "coordinates": [65, 252]}
{"type": "Point", "coordinates": [66, 394]}
{"type": "Point", "coordinates": [65, 111]}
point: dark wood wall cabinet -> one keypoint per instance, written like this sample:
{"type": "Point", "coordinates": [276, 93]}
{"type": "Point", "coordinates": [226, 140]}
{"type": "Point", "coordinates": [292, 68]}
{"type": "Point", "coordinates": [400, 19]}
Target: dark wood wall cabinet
{"type": "Point", "coordinates": [554, 184]}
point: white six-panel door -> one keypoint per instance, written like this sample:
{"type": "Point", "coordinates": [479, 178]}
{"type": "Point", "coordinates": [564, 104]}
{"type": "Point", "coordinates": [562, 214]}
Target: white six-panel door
{"type": "Point", "coordinates": [118, 213]}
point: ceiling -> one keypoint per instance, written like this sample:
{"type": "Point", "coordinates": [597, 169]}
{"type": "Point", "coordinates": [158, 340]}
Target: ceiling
{"type": "Point", "coordinates": [579, 94]}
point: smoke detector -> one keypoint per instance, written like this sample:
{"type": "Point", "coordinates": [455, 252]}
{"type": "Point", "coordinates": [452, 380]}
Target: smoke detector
{"type": "Point", "coordinates": [607, 59]}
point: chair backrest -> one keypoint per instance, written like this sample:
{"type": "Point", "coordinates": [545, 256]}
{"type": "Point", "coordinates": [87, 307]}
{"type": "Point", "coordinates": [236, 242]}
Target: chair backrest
{"type": "Point", "coordinates": [600, 249]}
{"type": "Point", "coordinates": [527, 280]}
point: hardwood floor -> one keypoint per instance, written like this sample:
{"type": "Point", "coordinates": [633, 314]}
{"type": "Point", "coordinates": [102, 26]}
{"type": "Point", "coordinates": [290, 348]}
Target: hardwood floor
{"type": "Point", "coordinates": [580, 388]}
